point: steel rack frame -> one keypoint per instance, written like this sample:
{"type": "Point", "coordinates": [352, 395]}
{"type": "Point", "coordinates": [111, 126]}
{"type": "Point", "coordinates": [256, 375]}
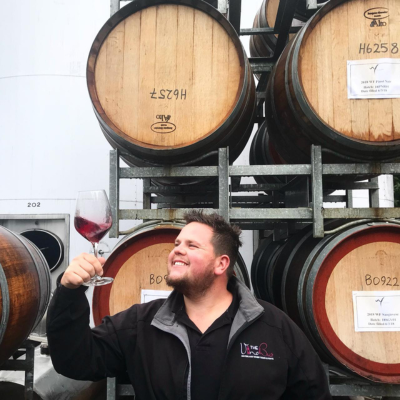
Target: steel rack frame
{"type": "Point", "coordinates": [251, 217]}
{"type": "Point", "coordinates": [342, 385]}
{"type": "Point", "coordinates": [27, 348]}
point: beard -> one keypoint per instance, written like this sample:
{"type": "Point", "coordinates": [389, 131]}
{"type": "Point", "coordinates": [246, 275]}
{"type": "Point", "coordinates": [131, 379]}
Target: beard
{"type": "Point", "coordinates": [192, 287]}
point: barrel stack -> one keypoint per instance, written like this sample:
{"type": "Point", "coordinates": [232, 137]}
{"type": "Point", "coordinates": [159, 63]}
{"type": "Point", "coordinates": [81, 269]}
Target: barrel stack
{"type": "Point", "coordinates": [308, 96]}
{"type": "Point", "coordinates": [334, 86]}
{"type": "Point", "coordinates": [330, 286]}
{"type": "Point", "coordinates": [308, 100]}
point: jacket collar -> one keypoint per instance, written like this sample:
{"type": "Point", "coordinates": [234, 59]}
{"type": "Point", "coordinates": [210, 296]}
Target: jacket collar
{"type": "Point", "coordinates": [249, 308]}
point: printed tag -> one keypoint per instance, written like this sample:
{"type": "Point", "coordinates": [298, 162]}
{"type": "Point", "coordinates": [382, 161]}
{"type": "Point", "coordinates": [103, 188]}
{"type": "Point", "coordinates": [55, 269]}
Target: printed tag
{"type": "Point", "coordinates": [376, 311]}
{"type": "Point", "coordinates": [373, 79]}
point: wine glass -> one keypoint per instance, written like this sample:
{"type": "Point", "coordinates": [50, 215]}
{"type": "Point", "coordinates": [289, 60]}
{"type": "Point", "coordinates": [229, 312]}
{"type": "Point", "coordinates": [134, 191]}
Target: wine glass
{"type": "Point", "coordinates": [93, 220]}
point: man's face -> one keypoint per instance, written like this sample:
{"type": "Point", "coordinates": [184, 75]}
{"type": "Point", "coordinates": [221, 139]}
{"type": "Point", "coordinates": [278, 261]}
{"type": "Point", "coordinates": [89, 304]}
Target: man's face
{"type": "Point", "coordinates": [192, 262]}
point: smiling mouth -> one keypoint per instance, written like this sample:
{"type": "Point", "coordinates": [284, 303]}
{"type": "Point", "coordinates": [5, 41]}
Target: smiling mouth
{"type": "Point", "coordinates": [178, 264]}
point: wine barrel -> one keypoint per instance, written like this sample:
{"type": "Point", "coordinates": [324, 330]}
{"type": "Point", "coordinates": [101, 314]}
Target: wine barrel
{"type": "Point", "coordinates": [307, 101]}
{"type": "Point", "coordinates": [316, 281]}
{"type": "Point", "coordinates": [139, 261]}
{"type": "Point", "coordinates": [263, 259]}
{"type": "Point", "coordinates": [263, 152]}
{"type": "Point", "coordinates": [24, 290]}
{"type": "Point", "coordinates": [264, 45]}
{"type": "Point", "coordinates": [170, 82]}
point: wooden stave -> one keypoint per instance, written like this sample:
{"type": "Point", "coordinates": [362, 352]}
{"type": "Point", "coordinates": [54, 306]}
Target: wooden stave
{"type": "Point", "coordinates": [21, 261]}
{"type": "Point", "coordinates": [261, 45]}
{"type": "Point", "coordinates": [264, 45]}
{"type": "Point", "coordinates": [244, 125]}
{"type": "Point", "coordinates": [270, 278]}
{"type": "Point", "coordinates": [234, 131]}
{"type": "Point", "coordinates": [305, 252]}
{"type": "Point", "coordinates": [355, 363]}
{"type": "Point", "coordinates": [101, 294]}
{"type": "Point", "coordinates": [302, 245]}
{"type": "Point", "coordinates": [261, 260]}
{"type": "Point", "coordinates": [262, 153]}
{"type": "Point", "coordinates": [301, 125]}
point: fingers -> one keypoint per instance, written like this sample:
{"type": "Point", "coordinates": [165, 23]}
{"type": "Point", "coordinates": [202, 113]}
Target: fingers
{"type": "Point", "coordinates": [81, 269]}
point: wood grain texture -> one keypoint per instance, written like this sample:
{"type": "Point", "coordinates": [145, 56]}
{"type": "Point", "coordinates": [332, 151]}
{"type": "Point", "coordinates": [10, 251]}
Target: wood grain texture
{"type": "Point", "coordinates": [175, 52]}
{"type": "Point", "coordinates": [378, 259]}
{"type": "Point", "coordinates": [264, 45]}
{"type": "Point", "coordinates": [140, 272]}
{"type": "Point", "coordinates": [28, 294]}
{"type": "Point", "coordinates": [336, 38]}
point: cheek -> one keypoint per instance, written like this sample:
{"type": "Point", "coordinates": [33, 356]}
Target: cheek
{"type": "Point", "coordinates": [170, 256]}
{"type": "Point", "coordinates": [198, 264]}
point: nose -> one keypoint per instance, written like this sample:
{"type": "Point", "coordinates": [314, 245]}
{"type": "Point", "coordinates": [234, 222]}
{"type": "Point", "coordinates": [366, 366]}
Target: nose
{"type": "Point", "coordinates": [179, 249]}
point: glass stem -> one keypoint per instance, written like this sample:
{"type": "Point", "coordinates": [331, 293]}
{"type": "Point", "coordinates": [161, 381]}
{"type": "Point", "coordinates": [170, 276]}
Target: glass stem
{"type": "Point", "coordinates": [95, 246]}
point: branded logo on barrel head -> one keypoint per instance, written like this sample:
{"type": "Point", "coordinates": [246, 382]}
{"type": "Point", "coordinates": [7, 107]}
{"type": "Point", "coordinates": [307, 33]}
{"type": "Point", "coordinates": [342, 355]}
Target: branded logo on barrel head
{"type": "Point", "coordinates": [164, 126]}
{"type": "Point", "coordinates": [376, 14]}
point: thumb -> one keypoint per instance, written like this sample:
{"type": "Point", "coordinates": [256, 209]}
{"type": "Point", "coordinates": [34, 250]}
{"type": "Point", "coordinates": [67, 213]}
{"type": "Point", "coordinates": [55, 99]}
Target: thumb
{"type": "Point", "coordinates": [102, 260]}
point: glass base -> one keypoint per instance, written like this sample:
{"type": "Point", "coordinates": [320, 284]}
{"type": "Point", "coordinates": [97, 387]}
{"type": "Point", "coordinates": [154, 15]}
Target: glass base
{"type": "Point", "coordinates": [99, 281]}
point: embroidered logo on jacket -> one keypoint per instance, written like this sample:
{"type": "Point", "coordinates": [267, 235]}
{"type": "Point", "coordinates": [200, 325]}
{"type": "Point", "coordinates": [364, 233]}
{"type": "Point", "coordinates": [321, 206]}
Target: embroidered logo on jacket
{"type": "Point", "coordinates": [250, 351]}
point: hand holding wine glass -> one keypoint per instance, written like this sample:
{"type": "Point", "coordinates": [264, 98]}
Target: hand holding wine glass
{"type": "Point", "coordinates": [93, 219]}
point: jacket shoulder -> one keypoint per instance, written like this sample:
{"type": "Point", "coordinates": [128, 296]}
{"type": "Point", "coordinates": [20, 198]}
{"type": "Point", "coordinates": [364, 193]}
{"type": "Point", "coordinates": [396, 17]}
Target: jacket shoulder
{"type": "Point", "coordinates": [275, 316]}
{"type": "Point", "coordinates": [294, 338]}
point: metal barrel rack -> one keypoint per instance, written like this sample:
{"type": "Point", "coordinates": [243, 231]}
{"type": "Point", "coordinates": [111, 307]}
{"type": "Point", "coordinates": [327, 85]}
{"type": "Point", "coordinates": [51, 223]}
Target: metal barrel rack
{"type": "Point", "coordinates": [275, 207]}
{"type": "Point", "coordinates": [26, 349]}
{"type": "Point", "coordinates": [249, 211]}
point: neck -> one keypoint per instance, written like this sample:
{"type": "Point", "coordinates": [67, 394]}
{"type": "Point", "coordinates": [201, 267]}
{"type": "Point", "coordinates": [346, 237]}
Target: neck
{"type": "Point", "coordinates": [203, 310]}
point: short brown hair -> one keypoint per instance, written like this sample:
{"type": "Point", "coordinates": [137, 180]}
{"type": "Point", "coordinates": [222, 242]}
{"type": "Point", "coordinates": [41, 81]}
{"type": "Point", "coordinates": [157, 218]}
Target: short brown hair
{"type": "Point", "coordinates": [226, 237]}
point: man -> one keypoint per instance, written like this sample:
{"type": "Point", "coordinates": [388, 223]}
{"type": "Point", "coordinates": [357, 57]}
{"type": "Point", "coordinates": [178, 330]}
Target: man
{"type": "Point", "coordinates": [211, 339]}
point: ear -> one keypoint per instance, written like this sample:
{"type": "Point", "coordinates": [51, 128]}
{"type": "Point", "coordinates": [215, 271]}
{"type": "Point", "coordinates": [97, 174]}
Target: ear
{"type": "Point", "coordinates": [222, 264]}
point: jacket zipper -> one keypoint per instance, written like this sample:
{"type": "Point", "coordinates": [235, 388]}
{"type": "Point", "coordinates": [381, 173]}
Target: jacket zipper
{"type": "Point", "coordinates": [185, 379]}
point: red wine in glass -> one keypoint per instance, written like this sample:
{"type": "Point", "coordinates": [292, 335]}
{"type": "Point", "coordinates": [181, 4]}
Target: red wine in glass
{"type": "Point", "coordinates": [90, 230]}
{"type": "Point", "coordinates": [93, 220]}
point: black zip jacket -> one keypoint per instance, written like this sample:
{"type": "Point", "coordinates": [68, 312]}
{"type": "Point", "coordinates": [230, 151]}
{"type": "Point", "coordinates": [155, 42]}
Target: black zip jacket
{"type": "Point", "coordinates": [268, 356]}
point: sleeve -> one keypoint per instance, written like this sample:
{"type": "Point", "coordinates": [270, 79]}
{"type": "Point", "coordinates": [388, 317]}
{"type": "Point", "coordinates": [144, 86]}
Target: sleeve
{"type": "Point", "coordinates": [76, 350]}
{"type": "Point", "coordinates": [306, 376]}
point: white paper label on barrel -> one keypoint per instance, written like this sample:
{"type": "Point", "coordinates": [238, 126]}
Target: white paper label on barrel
{"type": "Point", "coordinates": [150, 295]}
{"type": "Point", "coordinates": [373, 79]}
{"type": "Point", "coordinates": [376, 311]}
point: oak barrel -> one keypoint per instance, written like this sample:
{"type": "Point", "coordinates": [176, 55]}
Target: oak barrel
{"type": "Point", "coordinates": [264, 45]}
{"type": "Point", "coordinates": [170, 82]}
{"type": "Point", "coordinates": [25, 289]}
{"type": "Point", "coordinates": [314, 281]}
{"type": "Point", "coordinates": [263, 260]}
{"type": "Point", "coordinates": [307, 97]}
{"type": "Point", "coordinates": [139, 261]}
{"type": "Point", "coordinates": [263, 152]}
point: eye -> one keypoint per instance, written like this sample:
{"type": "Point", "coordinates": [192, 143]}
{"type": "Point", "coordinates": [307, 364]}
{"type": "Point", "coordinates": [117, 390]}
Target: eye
{"type": "Point", "coordinates": [193, 245]}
